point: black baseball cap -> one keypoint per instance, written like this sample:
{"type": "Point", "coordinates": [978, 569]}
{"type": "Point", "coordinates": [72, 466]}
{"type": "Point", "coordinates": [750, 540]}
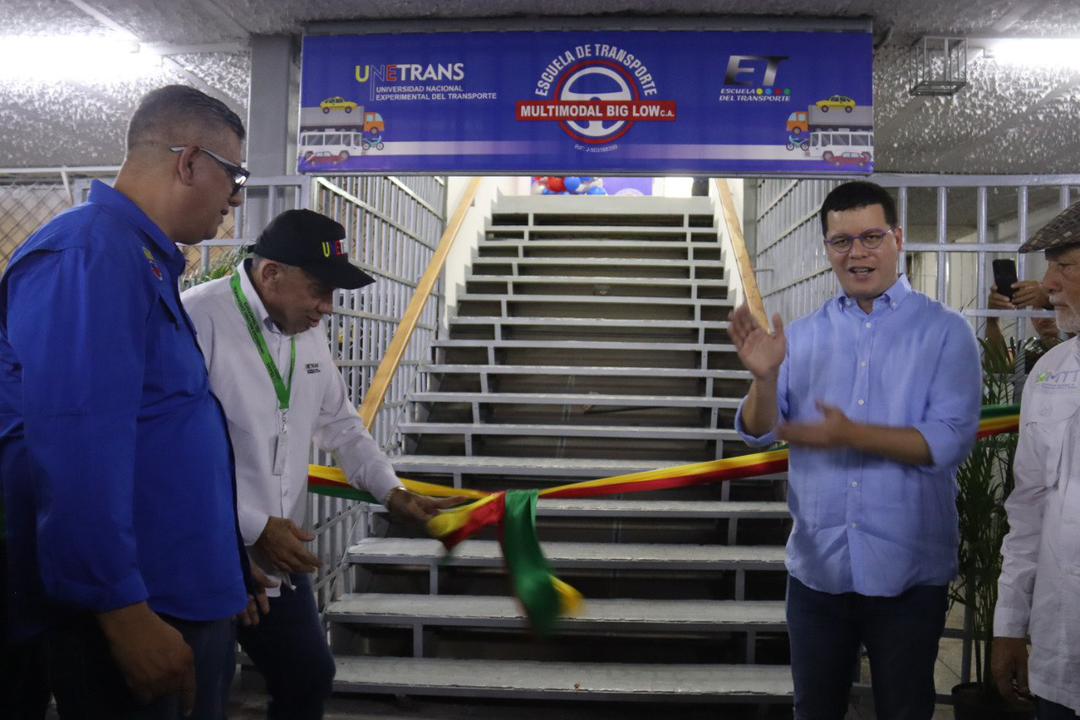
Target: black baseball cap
{"type": "Point", "coordinates": [313, 242]}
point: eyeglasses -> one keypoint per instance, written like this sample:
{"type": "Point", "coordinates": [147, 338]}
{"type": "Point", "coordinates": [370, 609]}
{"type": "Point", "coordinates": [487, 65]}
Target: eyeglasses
{"type": "Point", "coordinates": [239, 175]}
{"type": "Point", "coordinates": [871, 240]}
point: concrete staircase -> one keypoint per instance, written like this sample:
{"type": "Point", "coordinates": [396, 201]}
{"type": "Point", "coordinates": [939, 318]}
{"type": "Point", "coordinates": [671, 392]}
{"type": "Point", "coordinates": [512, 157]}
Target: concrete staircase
{"type": "Point", "coordinates": [591, 340]}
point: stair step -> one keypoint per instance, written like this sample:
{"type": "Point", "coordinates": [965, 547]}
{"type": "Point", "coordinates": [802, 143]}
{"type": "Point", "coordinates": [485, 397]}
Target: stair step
{"type": "Point", "coordinates": [591, 299]}
{"type": "Point", "coordinates": [674, 244]}
{"type": "Point", "coordinates": [599, 261]}
{"type": "Point", "coordinates": [598, 614]}
{"type": "Point", "coordinates": [597, 431]}
{"type": "Point", "coordinates": [570, 345]}
{"type": "Point", "coordinates": [644, 323]}
{"type": "Point", "coordinates": [534, 467]}
{"type": "Point", "coordinates": [614, 231]}
{"type": "Point", "coordinates": [447, 369]}
{"type": "Point", "coordinates": [559, 469]}
{"type": "Point", "coordinates": [546, 208]}
{"type": "Point", "coordinates": [569, 681]}
{"type": "Point", "coordinates": [589, 399]}
{"type": "Point", "coordinates": [596, 280]}
{"type": "Point", "coordinates": [637, 556]}
{"type": "Point", "coordinates": [657, 509]}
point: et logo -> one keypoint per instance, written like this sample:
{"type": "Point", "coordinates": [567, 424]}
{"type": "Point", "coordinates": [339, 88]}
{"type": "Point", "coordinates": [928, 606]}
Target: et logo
{"type": "Point", "coordinates": [750, 65]}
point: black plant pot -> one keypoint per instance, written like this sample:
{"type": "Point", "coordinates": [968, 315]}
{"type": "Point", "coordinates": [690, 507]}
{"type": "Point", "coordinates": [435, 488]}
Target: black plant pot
{"type": "Point", "coordinates": [971, 703]}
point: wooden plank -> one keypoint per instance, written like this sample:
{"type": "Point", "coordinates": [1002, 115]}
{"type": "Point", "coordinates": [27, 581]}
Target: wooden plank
{"type": "Point", "coordinates": [742, 256]}
{"type": "Point", "coordinates": [380, 384]}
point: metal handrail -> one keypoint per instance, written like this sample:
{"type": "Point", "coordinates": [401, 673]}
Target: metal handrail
{"type": "Point", "coordinates": [384, 376]}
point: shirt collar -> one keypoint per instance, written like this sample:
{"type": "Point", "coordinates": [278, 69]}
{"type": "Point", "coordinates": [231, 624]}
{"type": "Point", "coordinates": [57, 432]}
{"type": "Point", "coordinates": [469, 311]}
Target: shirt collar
{"type": "Point", "coordinates": [892, 297]}
{"type": "Point", "coordinates": [116, 201]}
{"type": "Point", "coordinates": [253, 298]}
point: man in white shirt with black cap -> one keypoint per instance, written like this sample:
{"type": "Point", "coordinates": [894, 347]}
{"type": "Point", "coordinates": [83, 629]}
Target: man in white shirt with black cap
{"type": "Point", "coordinates": [271, 368]}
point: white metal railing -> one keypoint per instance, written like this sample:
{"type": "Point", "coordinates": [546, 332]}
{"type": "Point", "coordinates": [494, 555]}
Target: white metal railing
{"type": "Point", "coordinates": [954, 227]}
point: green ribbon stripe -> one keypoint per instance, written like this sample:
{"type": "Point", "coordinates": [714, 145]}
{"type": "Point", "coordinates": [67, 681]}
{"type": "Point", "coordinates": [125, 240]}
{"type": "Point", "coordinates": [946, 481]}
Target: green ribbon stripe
{"type": "Point", "coordinates": [529, 569]}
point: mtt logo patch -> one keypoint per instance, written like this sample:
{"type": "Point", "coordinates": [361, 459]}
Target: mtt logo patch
{"type": "Point", "coordinates": [1066, 380]}
{"type": "Point", "coordinates": [312, 368]}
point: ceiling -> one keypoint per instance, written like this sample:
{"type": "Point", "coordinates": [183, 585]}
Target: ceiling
{"type": "Point", "coordinates": [1007, 121]}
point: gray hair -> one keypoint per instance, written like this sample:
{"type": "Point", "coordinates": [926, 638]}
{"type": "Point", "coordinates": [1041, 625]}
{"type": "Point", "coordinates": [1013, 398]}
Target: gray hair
{"type": "Point", "coordinates": [163, 111]}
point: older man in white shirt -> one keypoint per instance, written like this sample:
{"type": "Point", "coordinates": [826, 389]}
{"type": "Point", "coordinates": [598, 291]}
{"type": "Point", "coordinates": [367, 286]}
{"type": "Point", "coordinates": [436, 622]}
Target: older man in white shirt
{"type": "Point", "coordinates": [1039, 587]}
{"type": "Point", "coordinates": [271, 368]}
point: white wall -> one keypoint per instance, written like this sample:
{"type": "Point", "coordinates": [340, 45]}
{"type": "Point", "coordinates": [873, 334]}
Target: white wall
{"type": "Point", "coordinates": [731, 268]}
{"type": "Point", "coordinates": [460, 258]}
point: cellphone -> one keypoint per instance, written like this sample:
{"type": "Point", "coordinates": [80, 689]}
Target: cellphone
{"type": "Point", "coordinates": [1005, 276]}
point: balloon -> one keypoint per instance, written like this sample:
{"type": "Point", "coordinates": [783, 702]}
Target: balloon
{"type": "Point", "coordinates": [572, 184]}
{"type": "Point", "coordinates": [597, 191]}
{"type": "Point", "coordinates": [556, 184]}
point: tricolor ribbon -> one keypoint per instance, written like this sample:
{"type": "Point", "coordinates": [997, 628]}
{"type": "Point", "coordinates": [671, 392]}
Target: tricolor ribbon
{"type": "Point", "coordinates": [543, 596]}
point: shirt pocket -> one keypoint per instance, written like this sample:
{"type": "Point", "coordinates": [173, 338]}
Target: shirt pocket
{"type": "Point", "coordinates": [1054, 420]}
{"type": "Point", "coordinates": [174, 365]}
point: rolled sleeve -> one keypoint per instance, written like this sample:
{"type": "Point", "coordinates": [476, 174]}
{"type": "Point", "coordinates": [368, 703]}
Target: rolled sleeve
{"type": "Point", "coordinates": [769, 438]}
{"type": "Point", "coordinates": [951, 420]}
{"type": "Point", "coordinates": [765, 440]}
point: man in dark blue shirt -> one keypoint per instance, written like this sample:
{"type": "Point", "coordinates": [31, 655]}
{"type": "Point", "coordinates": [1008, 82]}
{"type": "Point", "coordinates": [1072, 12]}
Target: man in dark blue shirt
{"type": "Point", "coordinates": [119, 483]}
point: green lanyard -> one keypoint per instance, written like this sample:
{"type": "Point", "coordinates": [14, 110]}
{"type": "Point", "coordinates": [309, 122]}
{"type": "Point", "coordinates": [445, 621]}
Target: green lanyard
{"type": "Point", "coordinates": [283, 391]}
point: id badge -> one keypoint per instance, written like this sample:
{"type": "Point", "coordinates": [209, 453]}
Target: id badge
{"type": "Point", "coordinates": [281, 445]}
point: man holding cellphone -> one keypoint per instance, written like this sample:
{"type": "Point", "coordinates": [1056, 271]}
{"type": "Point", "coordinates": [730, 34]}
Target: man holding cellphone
{"type": "Point", "coordinates": [878, 394]}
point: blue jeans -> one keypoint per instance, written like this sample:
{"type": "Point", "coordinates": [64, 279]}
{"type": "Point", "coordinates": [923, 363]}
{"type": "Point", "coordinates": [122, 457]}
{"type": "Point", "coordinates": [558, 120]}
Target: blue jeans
{"type": "Point", "coordinates": [88, 685]}
{"type": "Point", "coordinates": [1046, 710]}
{"type": "Point", "coordinates": [901, 637]}
{"type": "Point", "coordinates": [289, 648]}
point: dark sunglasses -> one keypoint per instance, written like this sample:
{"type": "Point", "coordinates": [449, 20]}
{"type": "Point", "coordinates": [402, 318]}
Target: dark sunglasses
{"type": "Point", "coordinates": [239, 175]}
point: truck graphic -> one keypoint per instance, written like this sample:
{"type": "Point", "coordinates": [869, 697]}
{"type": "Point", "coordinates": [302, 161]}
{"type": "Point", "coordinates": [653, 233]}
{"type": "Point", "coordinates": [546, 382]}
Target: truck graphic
{"type": "Point", "coordinates": [813, 118]}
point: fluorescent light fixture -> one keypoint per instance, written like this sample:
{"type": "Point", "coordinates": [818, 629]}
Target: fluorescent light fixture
{"type": "Point", "coordinates": [101, 59]}
{"type": "Point", "coordinates": [1034, 52]}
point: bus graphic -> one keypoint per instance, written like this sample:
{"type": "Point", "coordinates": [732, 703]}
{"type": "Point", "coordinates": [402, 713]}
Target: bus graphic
{"type": "Point", "coordinates": [842, 147]}
{"type": "Point", "coordinates": [329, 139]}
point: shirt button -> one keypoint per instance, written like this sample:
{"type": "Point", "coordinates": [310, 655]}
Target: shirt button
{"type": "Point", "coordinates": [862, 364]}
{"type": "Point", "coordinates": [854, 483]}
{"type": "Point", "coordinates": [869, 324]}
{"type": "Point", "coordinates": [854, 525]}
{"type": "Point", "coordinates": [862, 402]}
{"type": "Point", "coordinates": [892, 305]}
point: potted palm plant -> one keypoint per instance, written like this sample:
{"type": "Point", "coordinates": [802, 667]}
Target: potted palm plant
{"type": "Point", "coordinates": [985, 481]}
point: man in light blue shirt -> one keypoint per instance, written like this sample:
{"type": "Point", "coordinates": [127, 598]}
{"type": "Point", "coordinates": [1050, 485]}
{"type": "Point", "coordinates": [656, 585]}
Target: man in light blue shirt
{"type": "Point", "coordinates": [878, 394]}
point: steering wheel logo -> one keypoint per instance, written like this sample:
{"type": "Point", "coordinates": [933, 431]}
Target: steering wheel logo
{"type": "Point", "coordinates": [596, 81]}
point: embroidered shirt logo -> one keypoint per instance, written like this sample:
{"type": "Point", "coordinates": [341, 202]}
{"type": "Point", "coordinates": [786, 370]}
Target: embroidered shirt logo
{"type": "Point", "coordinates": [1065, 380]}
{"type": "Point", "coordinates": [333, 249]}
{"type": "Point", "coordinates": [154, 268]}
{"type": "Point", "coordinates": [312, 368]}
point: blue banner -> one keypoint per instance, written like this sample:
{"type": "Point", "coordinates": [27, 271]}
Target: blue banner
{"type": "Point", "coordinates": [593, 103]}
